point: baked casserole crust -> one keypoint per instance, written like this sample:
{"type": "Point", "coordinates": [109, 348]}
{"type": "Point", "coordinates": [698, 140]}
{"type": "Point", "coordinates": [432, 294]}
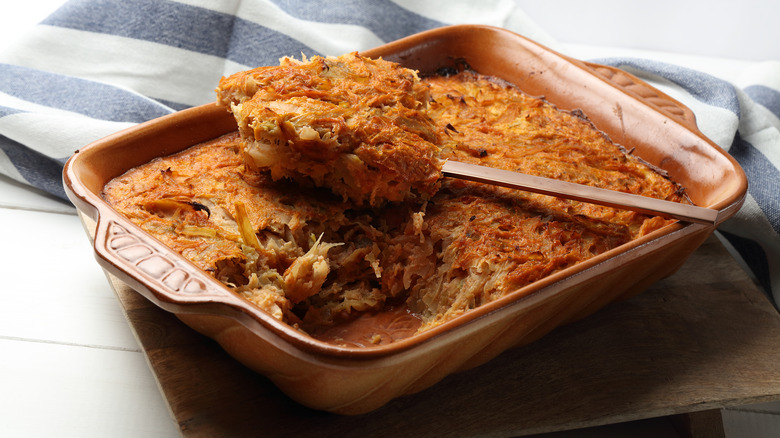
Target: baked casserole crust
{"type": "Point", "coordinates": [314, 257]}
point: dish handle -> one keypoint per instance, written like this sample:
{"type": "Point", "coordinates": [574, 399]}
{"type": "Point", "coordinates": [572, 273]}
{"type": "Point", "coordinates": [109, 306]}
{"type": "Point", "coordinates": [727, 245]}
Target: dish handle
{"type": "Point", "coordinates": [635, 86]}
{"type": "Point", "coordinates": [159, 275]}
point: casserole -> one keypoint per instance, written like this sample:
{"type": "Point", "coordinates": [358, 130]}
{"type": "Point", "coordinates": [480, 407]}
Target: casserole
{"type": "Point", "coordinates": [353, 380]}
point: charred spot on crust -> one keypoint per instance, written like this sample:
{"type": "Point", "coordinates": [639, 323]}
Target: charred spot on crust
{"type": "Point", "coordinates": [200, 207]}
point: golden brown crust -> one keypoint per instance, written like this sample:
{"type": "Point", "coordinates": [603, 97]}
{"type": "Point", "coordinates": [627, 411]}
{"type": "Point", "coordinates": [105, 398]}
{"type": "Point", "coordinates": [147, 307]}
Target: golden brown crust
{"type": "Point", "coordinates": [352, 124]}
{"type": "Point", "coordinates": [311, 258]}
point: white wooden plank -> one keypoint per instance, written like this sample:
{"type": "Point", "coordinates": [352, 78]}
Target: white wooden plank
{"type": "Point", "coordinates": [51, 390]}
{"type": "Point", "coordinates": [16, 195]}
{"type": "Point", "coordinates": [772, 407]}
{"type": "Point", "coordinates": [739, 423]}
{"type": "Point", "coordinates": [53, 289]}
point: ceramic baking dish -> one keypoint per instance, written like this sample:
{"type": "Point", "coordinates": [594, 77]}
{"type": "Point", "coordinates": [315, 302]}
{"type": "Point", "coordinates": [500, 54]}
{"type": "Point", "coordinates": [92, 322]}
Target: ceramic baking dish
{"type": "Point", "coordinates": [358, 379]}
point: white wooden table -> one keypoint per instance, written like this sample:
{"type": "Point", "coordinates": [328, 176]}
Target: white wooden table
{"type": "Point", "coordinates": [70, 365]}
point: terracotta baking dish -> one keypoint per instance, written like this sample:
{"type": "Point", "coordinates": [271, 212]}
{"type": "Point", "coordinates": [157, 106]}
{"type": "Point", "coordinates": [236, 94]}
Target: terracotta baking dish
{"type": "Point", "coordinates": [353, 380]}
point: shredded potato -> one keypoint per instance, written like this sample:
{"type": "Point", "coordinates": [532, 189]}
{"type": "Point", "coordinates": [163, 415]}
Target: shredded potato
{"type": "Point", "coordinates": [464, 245]}
{"type": "Point", "coordinates": [352, 124]}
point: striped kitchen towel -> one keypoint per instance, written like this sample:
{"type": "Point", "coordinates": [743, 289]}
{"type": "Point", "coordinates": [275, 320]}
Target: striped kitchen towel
{"type": "Point", "coordinates": [97, 66]}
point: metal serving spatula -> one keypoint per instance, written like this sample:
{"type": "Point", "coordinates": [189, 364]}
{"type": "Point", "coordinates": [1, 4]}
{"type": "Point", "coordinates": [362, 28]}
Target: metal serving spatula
{"type": "Point", "coordinates": [579, 192]}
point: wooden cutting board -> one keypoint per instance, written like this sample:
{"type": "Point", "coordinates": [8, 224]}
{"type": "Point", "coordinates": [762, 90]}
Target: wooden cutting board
{"type": "Point", "coordinates": [703, 339]}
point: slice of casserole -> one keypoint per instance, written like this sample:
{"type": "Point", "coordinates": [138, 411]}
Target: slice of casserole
{"type": "Point", "coordinates": [352, 124]}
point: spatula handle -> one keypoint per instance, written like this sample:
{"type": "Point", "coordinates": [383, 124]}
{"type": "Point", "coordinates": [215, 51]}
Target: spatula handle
{"type": "Point", "coordinates": [580, 192]}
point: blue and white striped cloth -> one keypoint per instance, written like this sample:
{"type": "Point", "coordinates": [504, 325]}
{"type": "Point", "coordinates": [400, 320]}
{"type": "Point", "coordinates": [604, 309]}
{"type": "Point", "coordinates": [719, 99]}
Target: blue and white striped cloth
{"type": "Point", "coordinates": [97, 66]}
